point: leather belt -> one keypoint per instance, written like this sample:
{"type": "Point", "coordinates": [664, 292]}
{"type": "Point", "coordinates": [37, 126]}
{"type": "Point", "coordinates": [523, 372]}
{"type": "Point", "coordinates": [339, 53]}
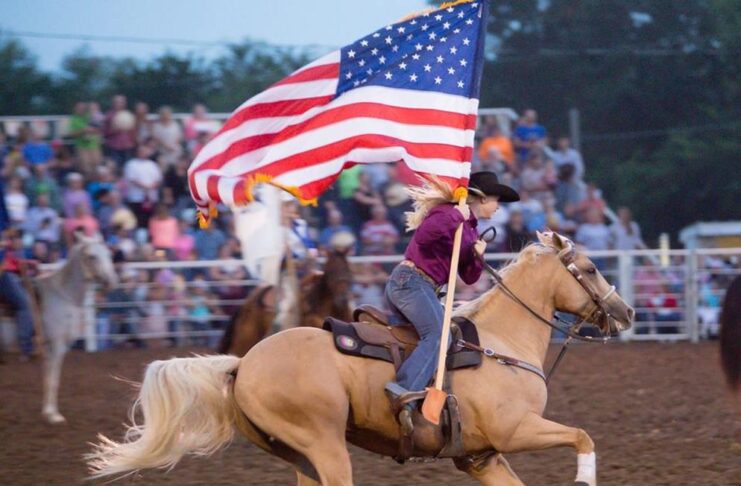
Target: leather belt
{"type": "Point", "coordinates": [412, 265]}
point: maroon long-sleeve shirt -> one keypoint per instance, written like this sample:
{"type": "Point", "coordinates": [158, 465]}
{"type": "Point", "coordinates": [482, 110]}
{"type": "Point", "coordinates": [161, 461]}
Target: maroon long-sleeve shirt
{"type": "Point", "coordinates": [432, 245]}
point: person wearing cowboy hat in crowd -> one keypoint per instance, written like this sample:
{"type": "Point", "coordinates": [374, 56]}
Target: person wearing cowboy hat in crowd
{"type": "Point", "coordinates": [411, 291]}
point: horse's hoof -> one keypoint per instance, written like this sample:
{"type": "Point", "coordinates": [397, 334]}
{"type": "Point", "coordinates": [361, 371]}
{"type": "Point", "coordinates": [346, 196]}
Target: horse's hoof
{"type": "Point", "coordinates": [55, 418]}
{"type": "Point", "coordinates": [584, 483]}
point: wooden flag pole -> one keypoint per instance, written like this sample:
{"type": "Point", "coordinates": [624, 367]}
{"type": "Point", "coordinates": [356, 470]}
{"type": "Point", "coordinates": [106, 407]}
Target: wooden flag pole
{"type": "Point", "coordinates": [435, 399]}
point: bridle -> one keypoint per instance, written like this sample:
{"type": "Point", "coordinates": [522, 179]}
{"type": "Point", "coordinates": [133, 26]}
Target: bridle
{"type": "Point", "coordinates": [599, 311]}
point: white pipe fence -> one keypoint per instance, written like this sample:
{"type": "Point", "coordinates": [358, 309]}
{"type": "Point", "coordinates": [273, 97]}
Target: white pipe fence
{"type": "Point", "coordinates": [679, 301]}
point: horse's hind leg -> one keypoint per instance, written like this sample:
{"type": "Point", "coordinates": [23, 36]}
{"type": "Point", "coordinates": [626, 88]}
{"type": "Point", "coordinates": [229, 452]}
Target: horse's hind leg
{"type": "Point", "coordinates": [491, 470]}
{"type": "Point", "coordinates": [52, 370]}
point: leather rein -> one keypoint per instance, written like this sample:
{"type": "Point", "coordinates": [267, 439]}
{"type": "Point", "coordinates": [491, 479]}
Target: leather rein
{"type": "Point", "coordinates": [566, 257]}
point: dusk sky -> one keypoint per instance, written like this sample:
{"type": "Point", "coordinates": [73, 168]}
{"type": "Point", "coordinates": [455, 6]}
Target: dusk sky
{"type": "Point", "coordinates": [326, 23]}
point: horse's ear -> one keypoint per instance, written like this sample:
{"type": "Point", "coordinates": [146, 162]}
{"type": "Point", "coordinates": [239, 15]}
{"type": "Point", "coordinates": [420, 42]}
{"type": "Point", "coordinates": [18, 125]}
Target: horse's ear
{"type": "Point", "coordinates": [558, 242]}
{"type": "Point", "coordinates": [545, 239]}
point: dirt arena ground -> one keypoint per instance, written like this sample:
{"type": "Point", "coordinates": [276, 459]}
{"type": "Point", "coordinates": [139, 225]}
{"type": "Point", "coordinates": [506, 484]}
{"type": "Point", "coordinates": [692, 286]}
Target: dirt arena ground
{"type": "Point", "coordinates": [659, 414]}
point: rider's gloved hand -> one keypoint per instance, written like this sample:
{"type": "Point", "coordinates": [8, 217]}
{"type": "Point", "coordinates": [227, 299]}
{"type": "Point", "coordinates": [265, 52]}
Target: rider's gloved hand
{"type": "Point", "coordinates": [479, 247]}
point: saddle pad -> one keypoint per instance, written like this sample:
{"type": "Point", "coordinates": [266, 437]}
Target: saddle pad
{"type": "Point", "coordinates": [349, 341]}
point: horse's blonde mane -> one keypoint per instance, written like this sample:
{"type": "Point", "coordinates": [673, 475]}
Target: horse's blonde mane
{"type": "Point", "coordinates": [471, 309]}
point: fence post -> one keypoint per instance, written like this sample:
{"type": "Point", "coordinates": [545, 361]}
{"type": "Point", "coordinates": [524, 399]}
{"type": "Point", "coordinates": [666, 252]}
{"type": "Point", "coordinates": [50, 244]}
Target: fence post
{"type": "Point", "coordinates": [625, 287]}
{"type": "Point", "coordinates": [691, 295]}
{"type": "Point", "coordinates": [91, 341]}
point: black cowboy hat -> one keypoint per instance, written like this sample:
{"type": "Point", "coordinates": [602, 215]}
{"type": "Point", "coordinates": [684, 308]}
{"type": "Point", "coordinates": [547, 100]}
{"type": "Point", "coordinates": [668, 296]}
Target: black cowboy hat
{"type": "Point", "coordinates": [488, 184]}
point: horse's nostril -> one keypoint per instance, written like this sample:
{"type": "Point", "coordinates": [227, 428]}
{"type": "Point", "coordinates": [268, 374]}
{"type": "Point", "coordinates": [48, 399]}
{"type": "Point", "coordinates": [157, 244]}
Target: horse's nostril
{"type": "Point", "coordinates": [631, 313]}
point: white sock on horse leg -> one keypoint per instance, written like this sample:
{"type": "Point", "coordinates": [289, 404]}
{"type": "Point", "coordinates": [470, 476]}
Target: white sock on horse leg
{"type": "Point", "coordinates": [587, 468]}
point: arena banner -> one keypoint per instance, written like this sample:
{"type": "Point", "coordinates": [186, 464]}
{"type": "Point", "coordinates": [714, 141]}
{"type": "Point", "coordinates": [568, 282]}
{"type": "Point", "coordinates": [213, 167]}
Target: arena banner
{"type": "Point", "coordinates": [405, 92]}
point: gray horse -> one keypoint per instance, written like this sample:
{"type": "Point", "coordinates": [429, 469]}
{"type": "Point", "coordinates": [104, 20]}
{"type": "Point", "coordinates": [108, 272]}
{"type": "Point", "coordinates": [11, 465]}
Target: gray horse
{"type": "Point", "coordinates": [62, 296]}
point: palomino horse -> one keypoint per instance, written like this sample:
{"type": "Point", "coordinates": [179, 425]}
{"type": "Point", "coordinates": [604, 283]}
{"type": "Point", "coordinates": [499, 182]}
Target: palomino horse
{"type": "Point", "coordinates": [62, 296]}
{"type": "Point", "coordinates": [295, 396]}
{"type": "Point", "coordinates": [321, 294]}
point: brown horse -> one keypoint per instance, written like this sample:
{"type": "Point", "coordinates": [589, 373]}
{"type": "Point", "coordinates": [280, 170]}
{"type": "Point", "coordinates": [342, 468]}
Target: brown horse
{"type": "Point", "coordinates": [298, 398]}
{"type": "Point", "coordinates": [730, 334]}
{"type": "Point", "coordinates": [321, 294]}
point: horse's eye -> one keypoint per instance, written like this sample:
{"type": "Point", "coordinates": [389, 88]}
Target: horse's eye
{"type": "Point", "coordinates": [592, 270]}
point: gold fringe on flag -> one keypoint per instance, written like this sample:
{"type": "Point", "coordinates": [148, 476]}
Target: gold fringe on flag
{"type": "Point", "coordinates": [432, 9]}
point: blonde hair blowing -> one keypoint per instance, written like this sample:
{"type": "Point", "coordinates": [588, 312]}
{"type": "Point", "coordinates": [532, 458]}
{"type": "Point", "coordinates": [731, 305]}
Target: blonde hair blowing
{"type": "Point", "coordinates": [433, 192]}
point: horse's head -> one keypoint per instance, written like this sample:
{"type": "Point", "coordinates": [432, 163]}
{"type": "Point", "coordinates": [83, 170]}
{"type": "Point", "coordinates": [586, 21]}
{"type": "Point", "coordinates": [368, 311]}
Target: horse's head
{"type": "Point", "coordinates": [337, 269]}
{"type": "Point", "coordinates": [95, 259]}
{"type": "Point", "coordinates": [582, 290]}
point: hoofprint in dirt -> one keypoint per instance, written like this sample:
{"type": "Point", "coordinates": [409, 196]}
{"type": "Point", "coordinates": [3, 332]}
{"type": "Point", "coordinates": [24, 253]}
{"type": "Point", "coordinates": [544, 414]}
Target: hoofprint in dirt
{"type": "Point", "coordinates": [658, 413]}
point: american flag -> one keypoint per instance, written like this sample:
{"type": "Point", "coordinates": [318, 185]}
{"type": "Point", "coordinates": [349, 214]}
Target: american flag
{"type": "Point", "coordinates": [406, 92]}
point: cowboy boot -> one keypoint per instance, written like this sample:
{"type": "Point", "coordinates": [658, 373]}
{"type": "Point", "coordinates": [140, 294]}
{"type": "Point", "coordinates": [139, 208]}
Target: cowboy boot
{"type": "Point", "coordinates": [402, 405]}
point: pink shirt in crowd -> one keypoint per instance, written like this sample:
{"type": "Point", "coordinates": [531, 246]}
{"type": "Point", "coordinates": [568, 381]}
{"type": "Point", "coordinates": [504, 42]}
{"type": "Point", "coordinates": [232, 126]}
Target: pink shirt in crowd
{"type": "Point", "coordinates": [163, 232]}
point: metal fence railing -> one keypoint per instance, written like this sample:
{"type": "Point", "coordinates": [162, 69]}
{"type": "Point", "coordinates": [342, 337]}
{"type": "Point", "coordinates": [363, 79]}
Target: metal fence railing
{"type": "Point", "coordinates": [677, 295]}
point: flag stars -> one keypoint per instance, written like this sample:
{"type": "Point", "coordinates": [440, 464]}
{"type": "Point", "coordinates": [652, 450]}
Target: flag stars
{"type": "Point", "coordinates": [395, 48]}
{"type": "Point", "coordinates": [438, 17]}
{"type": "Point", "coordinates": [356, 83]}
{"type": "Point", "coordinates": [466, 41]}
{"type": "Point", "coordinates": [450, 9]}
{"type": "Point", "coordinates": [389, 27]}
{"type": "Point", "coordinates": [446, 25]}
{"type": "Point", "coordinates": [413, 22]}
{"type": "Point", "coordinates": [369, 71]}
{"type": "Point", "coordinates": [415, 57]}
{"type": "Point", "coordinates": [425, 27]}
{"type": "Point", "coordinates": [403, 65]}
{"type": "Point", "coordinates": [351, 54]}
{"type": "Point", "coordinates": [419, 47]}
{"type": "Point", "coordinates": [389, 75]}
{"type": "Point", "coordinates": [374, 51]}
{"type": "Point", "coordinates": [428, 68]}
{"type": "Point", "coordinates": [451, 70]}
{"type": "Point", "coordinates": [376, 35]}
{"type": "Point", "coordinates": [438, 80]}
{"type": "Point", "coordinates": [443, 39]}
{"type": "Point", "coordinates": [433, 36]}
{"type": "Point", "coordinates": [409, 37]}
{"type": "Point", "coordinates": [464, 63]}
{"type": "Point", "coordinates": [382, 60]}
{"type": "Point", "coordinates": [430, 47]}
{"type": "Point", "coordinates": [457, 31]}
{"type": "Point", "coordinates": [460, 84]}
{"type": "Point", "coordinates": [388, 40]}
{"type": "Point", "coordinates": [453, 50]}
{"type": "Point", "coordinates": [401, 30]}
{"type": "Point", "coordinates": [348, 75]}
{"type": "Point", "coordinates": [461, 15]}
{"type": "Point", "coordinates": [361, 63]}
{"type": "Point", "coordinates": [469, 22]}
{"type": "Point", "coordinates": [364, 43]}
{"type": "Point", "coordinates": [440, 59]}
{"type": "Point", "coordinates": [413, 78]}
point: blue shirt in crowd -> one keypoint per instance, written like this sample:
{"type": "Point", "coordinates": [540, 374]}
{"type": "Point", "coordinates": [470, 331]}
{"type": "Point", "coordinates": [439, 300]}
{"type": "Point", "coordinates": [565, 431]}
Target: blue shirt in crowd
{"type": "Point", "coordinates": [37, 152]}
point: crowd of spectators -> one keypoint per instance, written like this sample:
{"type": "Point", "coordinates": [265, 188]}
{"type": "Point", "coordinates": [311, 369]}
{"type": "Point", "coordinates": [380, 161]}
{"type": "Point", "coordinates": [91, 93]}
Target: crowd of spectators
{"type": "Point", "coordinates": [123, 174]}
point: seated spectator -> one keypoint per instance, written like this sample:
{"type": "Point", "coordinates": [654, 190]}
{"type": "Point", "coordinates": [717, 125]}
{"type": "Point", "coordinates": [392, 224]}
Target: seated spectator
{"type": "Point", "coordinates": [163, 229]}
{"type": "Point", "coordinates": [397, 203]}
{"type": "Point", "coordinates": [532, 211]}
{"type": "Point", "coordinates": [529, 135]}
{"type": "Point", "coordinates": [81, 219]}
{"type": "Point", "coordinates": [102, 179]}
{"type": "Point", "coordinates": [201, 309]}
{"type": "Point", "coordinates": [517, 235]}
{"type": "Point", "coordinates": [566, 154]}
{"type": "Point", "coordinates": [569, 192]}
{"type": "Point", "coordinates": [16, 202]}
{"type": "Point", "coordinates": [143, 178]}
{"type": "Point", "coordinates": [208, 241]}
{"type": "Point", "coordinates": [40, 182]}
{"type": "Point", "coordinates": [538, 176]}
{"type": "Point", "coordinates": [119, 131]}
{"type": "Point", "coordinates": [43, 221]}
{"type": "Point", "coordinates": [364, 198]}
{"type": "Point", "coordinates": [87, 138]}
{"type": "Point", "coordinates": [184, 242]}
{"type": "Point", "coordinates": [175, 192]}
{"type": "Point", "coordinates": [113, 213]}
{"type": "Point", "coordinates": [41, 252]}
{"type": "Point", "coordinates": [199, 126]}
{"type": "Point", "coordinates": [75, 194]}
{"type": "Point", "coordinates": [121, 241]}
{"type": "Point", "coordinates": [593, 233]}
{"type": "Point", "coordinates": [153, 326]}
{"type": "Point", "coordinates": [369, 280]}
{"type": "Point", "coordinates": [593, 200]}
{"type": "Point", "coordinates": [37, 151]}
{"type": "Point", "coordinates": [334, 220]}
{"type": "Point", "coordinates": [378, 175]}
{"type": "Point", "coordinates": [625, 234]}
{"type": "Point", "coordinates": [12, 290]}
{"type": "Point", "coordinates": [143, 129]}
{"type": "Point", "coordinates": [496, 152]}
{"type": "Point", "coordinates": [225, 274]}
{"type": "Point", "coordinates": [168, 137]}
{"type": "Point", "coordinates": [555, 221]}
{"type": "Point", "coordinates": [379, 237]}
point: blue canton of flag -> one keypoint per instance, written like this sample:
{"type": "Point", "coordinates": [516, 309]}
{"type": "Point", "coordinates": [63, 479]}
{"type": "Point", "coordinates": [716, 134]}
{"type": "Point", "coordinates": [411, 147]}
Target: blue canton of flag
{"type": "Point", "coordinates": [436, 51]}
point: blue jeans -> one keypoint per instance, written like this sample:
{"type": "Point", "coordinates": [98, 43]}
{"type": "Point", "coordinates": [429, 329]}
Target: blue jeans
{"type": "Point", "coordinates": [413, 298]}
{"type": "Point", "coordinates": [14, 294]}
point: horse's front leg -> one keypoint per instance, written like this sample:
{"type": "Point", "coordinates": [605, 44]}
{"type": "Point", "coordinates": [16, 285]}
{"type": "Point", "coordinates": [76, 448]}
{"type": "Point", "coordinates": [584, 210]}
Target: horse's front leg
{"type": "Point", "coordinates": [489, 469]}
{"type": "Point", "coordinates": [52, 370]}
{"type": "Point", "coordinates": [535, 433]}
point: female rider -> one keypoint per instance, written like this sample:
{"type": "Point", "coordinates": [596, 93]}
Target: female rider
{"type": "Point", "coordinates": [413, 286]}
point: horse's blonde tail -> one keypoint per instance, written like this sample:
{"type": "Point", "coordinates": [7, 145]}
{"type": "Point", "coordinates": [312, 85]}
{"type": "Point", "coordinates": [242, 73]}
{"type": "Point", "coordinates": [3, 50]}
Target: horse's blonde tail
{"type": "Point", "coordinates": [187, 407]}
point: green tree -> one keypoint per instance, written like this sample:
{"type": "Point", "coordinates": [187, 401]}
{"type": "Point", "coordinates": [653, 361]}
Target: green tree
{"type": "Point", "coordinates": [23, 88]}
